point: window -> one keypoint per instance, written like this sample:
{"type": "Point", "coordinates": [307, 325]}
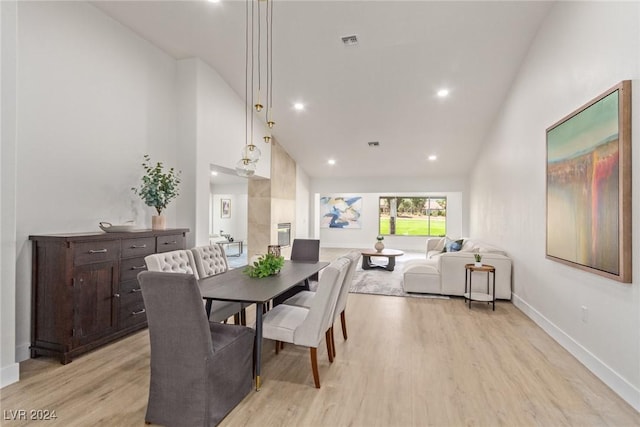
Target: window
{"type": "Point", "coordinates": [413, 216]}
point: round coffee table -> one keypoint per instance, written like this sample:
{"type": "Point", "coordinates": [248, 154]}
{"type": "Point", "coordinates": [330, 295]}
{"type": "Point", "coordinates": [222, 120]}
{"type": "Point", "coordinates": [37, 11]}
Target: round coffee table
{"type": "Point", "coordinates": [390, 254]}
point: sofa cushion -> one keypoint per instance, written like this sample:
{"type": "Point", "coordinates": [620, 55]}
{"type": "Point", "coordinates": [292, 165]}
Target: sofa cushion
{"type": "Point", "coordinates": [440, 245]}
{"type": "Point", "coordinates": [468, 246]}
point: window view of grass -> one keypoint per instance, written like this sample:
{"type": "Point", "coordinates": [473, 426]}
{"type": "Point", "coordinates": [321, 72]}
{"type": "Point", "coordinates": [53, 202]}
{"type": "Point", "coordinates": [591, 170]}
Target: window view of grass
{"type": "Point", "coordinates": [413, 216]}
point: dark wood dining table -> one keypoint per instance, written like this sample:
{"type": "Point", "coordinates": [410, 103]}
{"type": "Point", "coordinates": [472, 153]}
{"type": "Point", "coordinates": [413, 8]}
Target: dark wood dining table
{"type": "Point", "coordinates": [234, 285]}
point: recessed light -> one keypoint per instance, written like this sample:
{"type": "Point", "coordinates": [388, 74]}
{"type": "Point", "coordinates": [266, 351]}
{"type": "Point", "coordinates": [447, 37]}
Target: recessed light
{"type": "Point", "coordinates": [433, 157]}
{"type": "Point", "coordinates": [443, 93]}
{"type": "Point", "coordinates": [214, 173]}
{"type": "Point", "coordinates": [213, 1]}
{"type": "Point", "coordinates": [298, 106]}
{"type": "Point", "coordinates": [331, 162]}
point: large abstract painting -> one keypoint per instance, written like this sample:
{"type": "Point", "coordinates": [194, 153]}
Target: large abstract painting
{"type": "Point", "coordinates": [340, 212]}
{"type": "Point", "coordinates": [589, 186]}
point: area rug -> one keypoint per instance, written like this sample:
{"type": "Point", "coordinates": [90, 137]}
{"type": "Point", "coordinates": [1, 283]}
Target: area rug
{"type": "Point", "coordinates": [383, 282]}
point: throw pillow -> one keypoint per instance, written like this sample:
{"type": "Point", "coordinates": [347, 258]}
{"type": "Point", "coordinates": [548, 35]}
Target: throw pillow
{"type": "Point", "coordinates": [453, 245]}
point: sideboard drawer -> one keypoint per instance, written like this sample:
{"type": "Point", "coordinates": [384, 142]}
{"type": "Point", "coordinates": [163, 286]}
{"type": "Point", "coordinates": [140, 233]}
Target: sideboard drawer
{"type": "Point", "coordinates": [131, 287]}
{"type": "Point", "coordinates": [142, 246]}
{"type": "Point", "coordinates": [92, 252]}
{"type": "Point", "coordinates": [171, 242]}
{"type": "Point", "coordinates": [129, 268]}
{"type": "Point", "coordinates": [132, 310]}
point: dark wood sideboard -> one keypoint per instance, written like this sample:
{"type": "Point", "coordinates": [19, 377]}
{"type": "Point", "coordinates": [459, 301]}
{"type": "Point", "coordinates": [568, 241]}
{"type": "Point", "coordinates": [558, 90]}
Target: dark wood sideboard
{"type": "Point", "coordinates": [85, 292]}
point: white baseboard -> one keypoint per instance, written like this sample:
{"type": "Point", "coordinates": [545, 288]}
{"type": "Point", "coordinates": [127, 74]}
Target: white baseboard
{"type": "Point", "coordinates": [611, 378]}
{"type": "Point", "coordinates": [22, 352]}
{"type": "Point", "coordinates": [9, 374]}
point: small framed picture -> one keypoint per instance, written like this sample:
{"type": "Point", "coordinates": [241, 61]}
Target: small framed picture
{"type": "Point", "coordinates": [225, 208]}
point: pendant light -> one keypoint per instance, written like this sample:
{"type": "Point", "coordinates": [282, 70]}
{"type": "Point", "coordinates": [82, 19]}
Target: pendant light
{"type": "Point", "coordinates": [269, 16]}
{"type": "Point", "coordinates": [258, 105]}
{"type": "Point", "coordinates": [246, 166]}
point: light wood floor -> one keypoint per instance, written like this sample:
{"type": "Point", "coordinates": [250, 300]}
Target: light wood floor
{"type": "Point", "coordinates": [407, 362]}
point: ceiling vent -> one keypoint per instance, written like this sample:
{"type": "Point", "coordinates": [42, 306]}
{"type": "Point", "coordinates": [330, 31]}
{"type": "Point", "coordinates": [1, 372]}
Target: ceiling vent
{"type": "Point", "coordinates": [373, 144]}
{"type": "Point", "coordinates": [350, 40]}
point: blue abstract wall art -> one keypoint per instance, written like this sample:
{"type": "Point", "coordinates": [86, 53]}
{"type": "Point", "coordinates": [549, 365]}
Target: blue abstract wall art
{"type": "Point", "coordinates": [340, 212]}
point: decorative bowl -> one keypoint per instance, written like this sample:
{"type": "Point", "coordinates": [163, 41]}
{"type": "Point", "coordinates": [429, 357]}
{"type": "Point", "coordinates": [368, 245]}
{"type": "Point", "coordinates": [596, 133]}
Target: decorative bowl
{"type": "Point", "coordinates": [117, 228]}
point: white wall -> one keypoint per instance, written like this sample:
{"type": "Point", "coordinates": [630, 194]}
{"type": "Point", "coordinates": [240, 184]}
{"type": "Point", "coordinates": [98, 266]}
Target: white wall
{"type": "Point", "coordinates": [582, 49]}
{"type": "Point", "coordinates": [237, 225]}
{"type": "Point", "coordinates": [371, 189]}
{"type": "Point", "coordinates": [303, 204]}
{"type": "Point", "coordinates": [215, 122]}
{"type": "Point", "coordinates": [92, 98]}
{"type": "Point", "coordinates": [9, 369]}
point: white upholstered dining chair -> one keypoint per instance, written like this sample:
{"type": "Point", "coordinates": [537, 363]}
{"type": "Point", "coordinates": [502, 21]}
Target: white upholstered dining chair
{"type": "Point", "coordinates": [305, 298]}
{"type": "Point", "coordinates": [306, 326]}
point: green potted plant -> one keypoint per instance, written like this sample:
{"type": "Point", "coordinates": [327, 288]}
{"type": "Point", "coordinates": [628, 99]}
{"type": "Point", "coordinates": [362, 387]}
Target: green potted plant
{"type": "Point", "coordinates": [266, 265]}
{"type": "Point", "coordinates": [157, 189]}
{"type": "Point", "coordinates": [478, 259]}
{"type": "Point", "coordinates": [379, 245]}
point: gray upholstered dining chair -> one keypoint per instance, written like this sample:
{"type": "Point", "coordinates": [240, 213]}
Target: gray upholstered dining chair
{"type": "Point", "coordinates": [301, 250]}
{"type": "Point", "coordinates": [200, 370]}
{"type": "Point", "coordinates": [182, 261]}
{"type": "Point", "coordinates": [306, 326]}
{"type": "Point", "coordinates": [211, 260]}
{"type": "Point", "coordinates": [305, 298]}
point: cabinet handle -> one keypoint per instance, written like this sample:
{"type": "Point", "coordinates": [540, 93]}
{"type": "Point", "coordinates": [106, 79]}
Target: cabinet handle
{"type": "Point", "coordinates": [135, 313]}
{"type": "Point", "coordinates": [136, 290]}
{"type": "Point", "coordinates": [138, 246]}
{"type": "Point", "coordinates": [139, 267]}
{"type": "Point", "coordinates": [116, 295]}
{"type": "Point", "coordinates": [97, 251]}
{"type": "Point", "coordinates": [170, 243]}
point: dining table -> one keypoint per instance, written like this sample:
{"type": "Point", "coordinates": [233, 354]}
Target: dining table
{"type": "Point", "coordinates": [235, 285]}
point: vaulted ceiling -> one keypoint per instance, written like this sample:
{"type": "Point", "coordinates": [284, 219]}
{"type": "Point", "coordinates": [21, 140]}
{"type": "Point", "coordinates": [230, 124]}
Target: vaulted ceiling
{"type": "Point", "coordinates": [383, 89]}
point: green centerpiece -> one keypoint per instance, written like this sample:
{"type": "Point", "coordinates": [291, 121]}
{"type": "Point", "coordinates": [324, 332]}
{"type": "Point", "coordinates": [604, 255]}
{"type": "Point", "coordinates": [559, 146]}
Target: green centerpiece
{"type": "Point", "coordinates": [266, 265]}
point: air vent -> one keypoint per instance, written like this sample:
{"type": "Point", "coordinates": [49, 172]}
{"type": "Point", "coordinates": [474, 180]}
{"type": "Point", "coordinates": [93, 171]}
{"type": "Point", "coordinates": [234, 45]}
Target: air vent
{"type": "Point", "coordinates": [373, 144]}
{"type": "Point", "coordinates": [350, 40]}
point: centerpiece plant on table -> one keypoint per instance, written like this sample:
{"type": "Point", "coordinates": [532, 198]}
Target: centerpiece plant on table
{"type": "Point", "coordinates": [266, 265]}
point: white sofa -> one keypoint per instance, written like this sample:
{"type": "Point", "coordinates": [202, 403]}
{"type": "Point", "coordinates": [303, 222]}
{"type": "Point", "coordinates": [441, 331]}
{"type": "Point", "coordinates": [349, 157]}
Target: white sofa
{"type": "Point", "coordinates": [421, 275]}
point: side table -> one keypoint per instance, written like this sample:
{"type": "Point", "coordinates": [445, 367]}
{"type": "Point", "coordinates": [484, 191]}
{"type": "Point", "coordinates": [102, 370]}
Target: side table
{"type": "Point", "coordinates": [238, 243]}
{"type": "Point", "coordinates": [479, 296]}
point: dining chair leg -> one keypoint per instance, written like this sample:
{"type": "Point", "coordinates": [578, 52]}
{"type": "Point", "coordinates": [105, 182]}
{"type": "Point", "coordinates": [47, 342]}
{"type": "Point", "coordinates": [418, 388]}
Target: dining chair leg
{"type": "Point", "coordinates": [333, 343]}
{"type": "Point", "coordinates": [243, 317]}
{"type": "Point", "coordinates": [327, 336]}
{"type": "Point", "coordinates": [343, 321]}
{"type": "Point", "coordinates": [314, 366]}
{"type": "Point", "coordinates": [236, 319]}
{"type": "Point", "coordinates": [277, 347]}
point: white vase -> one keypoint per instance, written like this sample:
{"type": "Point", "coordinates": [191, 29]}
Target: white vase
{"type": "Point", "coordinates": [379, 246]}
{"type": "Point", "coordinates": [477, 264]}
{"type": "Point", "coordinates": [158, 222]}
